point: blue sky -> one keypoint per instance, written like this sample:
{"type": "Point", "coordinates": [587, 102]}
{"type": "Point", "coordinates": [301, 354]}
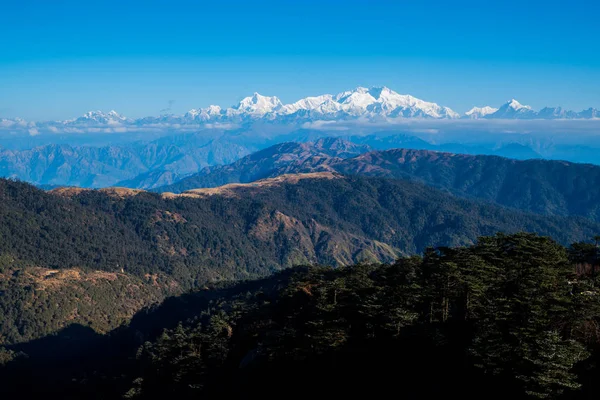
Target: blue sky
{"type": "Point", "coordinates": [61, 58]}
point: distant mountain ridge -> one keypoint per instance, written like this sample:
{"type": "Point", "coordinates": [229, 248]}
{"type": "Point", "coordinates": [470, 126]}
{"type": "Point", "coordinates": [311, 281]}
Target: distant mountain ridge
{"type": "Point", "coordinates": [515, 110]}
{"type": "Point", "coordinates": [276, 160]}
{"type": "Point", "coordinates": [166, 160]}
{"type": "Point", "coordinates": [540, 186]}
{"type": "Point", "coordinates": [89, 166]}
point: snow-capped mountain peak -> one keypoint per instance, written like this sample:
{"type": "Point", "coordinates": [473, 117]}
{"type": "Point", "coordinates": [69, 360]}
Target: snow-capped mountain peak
{"type": "Point", "coordinates": [512, 109]}
{"type": "Point", "coordinates": [203, 114]}
{"type": "Point", "coordinates": [515, 105]}
{"type": "Point", "coordinates": [356, 100]}
{"type": "Point", "coordinates": [259, 104]}
{"type": "Point", "coordinates": [213, 110]}
{"type": "Point", "coordinates": [375, 104]}
{"type": "Point", "coordinates": [314, 103]}
{"type": "Point", "coordinates": [99, 117]}
{"type": "Point", "coordinates": [384, 102]}
{"type": "Point", "coordinates": [381, 91]}
{"type": "Point", "coordinates": [480, 112]}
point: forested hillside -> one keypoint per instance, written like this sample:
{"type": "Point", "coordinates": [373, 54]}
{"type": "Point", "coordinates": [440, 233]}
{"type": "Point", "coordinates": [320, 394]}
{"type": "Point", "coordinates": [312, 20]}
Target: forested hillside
{"type": "Point", "coordinates": [169, 244]}
{"type": "Point", "coordinates": [539, 186]}
{"type": "Point", "coordinates": [513, 316]}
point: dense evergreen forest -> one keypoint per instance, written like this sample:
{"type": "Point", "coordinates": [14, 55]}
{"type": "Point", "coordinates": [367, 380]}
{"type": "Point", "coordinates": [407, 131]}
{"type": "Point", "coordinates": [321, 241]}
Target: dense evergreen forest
{"type": "Point", "coordinates": [97, 257]}
{"type": "Point", "coordinates": [512, 316]}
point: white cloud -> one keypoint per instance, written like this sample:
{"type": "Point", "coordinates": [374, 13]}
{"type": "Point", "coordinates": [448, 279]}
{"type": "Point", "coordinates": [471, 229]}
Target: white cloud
{"type": "Point", "coordinates": [325, 125]}
{"type": "Point", "coordinates": [574, 128]}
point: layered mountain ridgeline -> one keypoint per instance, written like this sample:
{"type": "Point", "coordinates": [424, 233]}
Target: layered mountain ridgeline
{"type": "Point", "coordinates": [289, 157]}
{"type": "Point", "coordinates": [89, 166]}
{"type": "Point", "coordinates": [148, 164]}
{"type": "Point", "coordinates": [140, 165]}
{"type": "Point", "coordinates": [176, 243]}
{"type": "Point", "coordinates": [519, 148]}
{"type": "Point", "coordinates": [509, 317]}
{"type": "Point", "coordinates": [539, 186]}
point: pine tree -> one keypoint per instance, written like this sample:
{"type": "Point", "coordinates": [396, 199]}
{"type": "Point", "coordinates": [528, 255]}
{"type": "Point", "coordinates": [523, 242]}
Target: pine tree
{"type": "Point", "coordinates": [553, 358]}
{"type": "Point", "coordinates": [531, 297]}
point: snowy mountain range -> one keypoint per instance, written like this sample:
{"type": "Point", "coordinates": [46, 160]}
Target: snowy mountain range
{"type": "Point", "coordinates": [515, 110]}
{"type": "Point", "coordinates": [368, 104]}
{"type": "Point", "coordinates": [362, 102]}
{"type": "Point", "coordinates": [110, 118]}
